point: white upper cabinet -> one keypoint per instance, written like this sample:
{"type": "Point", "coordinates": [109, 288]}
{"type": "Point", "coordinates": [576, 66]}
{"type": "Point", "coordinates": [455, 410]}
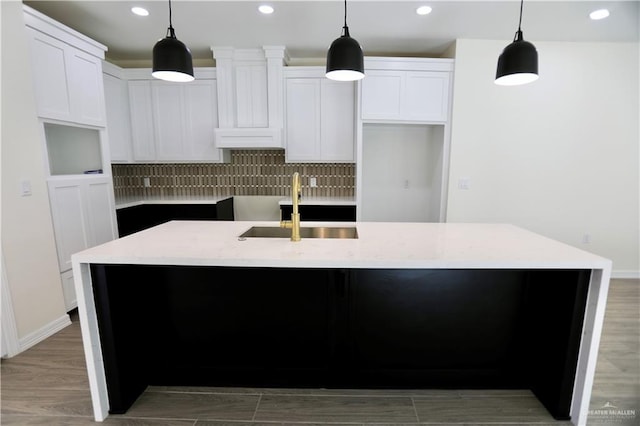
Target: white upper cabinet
{"type": "Point", "coordinates": [406, 90]}
{"type": "Point", "coordinates": [174, 122]}
{"type": "Point", "coordinates": [250, 97]}
{"type": "Point", "coordinates": [319, 118]}
{"type": "Point", "coordinates": [169, 121]}
{"type": "Point", "coordinates": [67, 71]}
{"type": "Point", "coordinates": [116, 94]}
{"type": "Point", "coordinates": [141, 108]}
{"type": "Point", "coordinates": [201, 119]}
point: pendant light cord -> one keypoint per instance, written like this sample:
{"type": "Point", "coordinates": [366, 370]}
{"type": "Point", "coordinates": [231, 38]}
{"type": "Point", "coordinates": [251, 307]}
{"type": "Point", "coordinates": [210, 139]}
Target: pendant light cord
{"type": "Point", "coordinates": [519, 22]}
{"type": "Point", "coordinates": [345, 29]}
{"type": "Point", "coordinates": [170, 31]}
{"type": "Point", "coordinates": [518, 35]}
{"type": "Point", "coordinates": [345, 13]}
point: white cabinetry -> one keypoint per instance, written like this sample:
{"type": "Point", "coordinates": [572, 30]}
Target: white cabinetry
{"type": "Point", "coordinates": [141, 108]}
{"type": "Point", "coordinates": [174, 122]}
{"type": "Point", "coordinates": [83, 212]}
{"type": "Point", "coordinates": [80, 194]}
{"type": "Point", "coordinates": [319, 117]}
{"type": "Point", "coordinates": [69, 92]}
{"type": "Point", "coordinates": [67, 71]}
{"type": "Point", "coordinates": [116, 94]}
{"type": "Point", "coordinates": [406, 90]}
{"type": "Point", "coordinates": [403, 140]}
{"type": "Point", "coordinates": [250, 93]}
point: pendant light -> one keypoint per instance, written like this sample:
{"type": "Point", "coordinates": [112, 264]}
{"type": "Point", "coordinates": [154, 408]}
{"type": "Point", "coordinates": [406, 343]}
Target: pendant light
{"type": "Point", "coordinates": [518, 63]}
{"type": "Point", "coordinates": [345, 60]}
{"type": "Point", "coordinates": [171, 58]}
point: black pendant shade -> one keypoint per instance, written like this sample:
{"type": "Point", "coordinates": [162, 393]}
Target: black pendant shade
{"type": "Point", "coordinates": [172, 58]}
{"type": "Point", "coordinates": [518, 62]}
{"type": "Point", "coordinates": [345, 59]}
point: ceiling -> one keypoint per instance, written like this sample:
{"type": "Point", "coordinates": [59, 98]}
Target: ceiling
{"type": "Point", "coordinates": [307, 28]}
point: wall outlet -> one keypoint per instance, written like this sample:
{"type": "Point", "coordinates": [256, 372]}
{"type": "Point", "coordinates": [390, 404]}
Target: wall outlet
{"type": "Point", "coordinates": [146, 182]}
{"type": "Point", "coordinates": [313, 183]}
{"type": "Point", "coordinates": [586, 239]}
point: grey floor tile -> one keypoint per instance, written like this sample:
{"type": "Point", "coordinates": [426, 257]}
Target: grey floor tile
{"type": "Point", "coordinates": [47, 402]}
{"type": "Point", "coordinates": [311, 408]}
{"type": "Point", "coordinates": [484, 409]}
{"type": "Point", "coordinates": [184, 406]}
{"type": "Point", "coordinates": [16, 420]}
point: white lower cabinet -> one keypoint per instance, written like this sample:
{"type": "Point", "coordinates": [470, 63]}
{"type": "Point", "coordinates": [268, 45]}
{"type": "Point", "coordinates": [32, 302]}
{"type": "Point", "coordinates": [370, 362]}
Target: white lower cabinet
{"type": "Point", "coordinates": [83, 213]}
{"type": "Point", "coordinates": [69, 291]}
{"type": "Point", "coordinates": [319, 118]}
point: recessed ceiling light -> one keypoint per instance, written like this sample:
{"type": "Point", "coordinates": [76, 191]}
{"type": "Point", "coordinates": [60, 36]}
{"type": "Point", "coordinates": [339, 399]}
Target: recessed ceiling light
{"type": "Point", "coordinates": [266, 9]}
{"type": "Point", "coordinates": [423, 10]}
{"type": "Point", "coordinates": [140, 11]}
{"type": "Point", "coordinates": [599, 14]}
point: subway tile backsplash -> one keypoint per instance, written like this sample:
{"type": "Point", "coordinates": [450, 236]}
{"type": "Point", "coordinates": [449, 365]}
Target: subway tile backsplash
{"type": "Point", "coordinates": [250, 172]}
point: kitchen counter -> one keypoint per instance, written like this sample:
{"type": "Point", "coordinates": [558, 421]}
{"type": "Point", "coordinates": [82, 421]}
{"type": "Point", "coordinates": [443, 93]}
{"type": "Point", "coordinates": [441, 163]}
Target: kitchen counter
{"type": "Point", "coordinates": [384, 245]}
{"type": "Point", "coordinates": [180, 199]}
{"type": "Point", "coordinates": [321, 201]}
{"type": "Point", "coordinates": [122, 203]}
{"type": "Point", "coordinates": [387, 247]}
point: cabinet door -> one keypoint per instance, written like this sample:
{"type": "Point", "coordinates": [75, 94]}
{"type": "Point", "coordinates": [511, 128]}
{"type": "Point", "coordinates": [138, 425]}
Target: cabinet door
{"type": "Point", "coordinates": [118, 121]}
{"type": "Point", "coordinates": [382, 95]}
{"type": "Point", "coordinates": [426, 96]}
{"type": "Point", "coordinates": [83, 213]}
{"type": "Point", "coordinates": [69, 291]}
{"type": "Point", "coordinates": [303, 119]}
{"type": "Point", "coordinates": [251, 95]}
{"type": "Point", "coordinates": [49, 70]}
{"type": "Point", "coordinates": [168, 120]}
{"type": "Point", "coordinates": [201, 118]}
{"type": "Point", "coordinates": [141, 120]}
{"type": "Point", "coordinates": [100, 207]}
{"type": "Point", "coordinates": [84, 74]}
{"type": "Point", "coordinates": [69, 219]}
{"type": "Point", "coordinates": [337, 114]}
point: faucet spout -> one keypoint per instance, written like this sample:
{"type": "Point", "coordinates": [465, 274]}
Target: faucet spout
{"type": "Point", "coordinates": [294, 223]}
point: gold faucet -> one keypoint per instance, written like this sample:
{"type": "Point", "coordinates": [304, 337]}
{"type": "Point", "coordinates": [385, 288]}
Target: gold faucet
{"type": "Point", "coordinates": [294, 223]}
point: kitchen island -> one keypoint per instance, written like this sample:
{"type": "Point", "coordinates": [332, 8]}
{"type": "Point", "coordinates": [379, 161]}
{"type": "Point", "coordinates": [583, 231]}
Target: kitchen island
{"type": "Point", "coordinates": [404, 305]}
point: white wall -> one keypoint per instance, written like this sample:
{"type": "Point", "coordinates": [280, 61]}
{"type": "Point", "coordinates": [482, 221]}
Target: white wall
{"type": "Point", "coordinates": [401, 173]}
{"type": "Point", "coordinates": [28, 244]}
{"type": "Point", "coordinates": [559, 156]}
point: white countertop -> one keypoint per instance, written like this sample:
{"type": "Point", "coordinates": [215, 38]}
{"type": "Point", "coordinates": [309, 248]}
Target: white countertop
{"type": "Point", "coordinates": [379, 245]}
{"type": "Point", "coordinates": [321, 201]}
{"type": "Point", "coordinates": [122, 203]}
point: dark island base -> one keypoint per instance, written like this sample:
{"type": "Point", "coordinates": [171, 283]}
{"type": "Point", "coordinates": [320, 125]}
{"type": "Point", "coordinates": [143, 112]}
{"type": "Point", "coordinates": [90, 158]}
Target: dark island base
{"type": "Point", "coordinates": [337, 328]}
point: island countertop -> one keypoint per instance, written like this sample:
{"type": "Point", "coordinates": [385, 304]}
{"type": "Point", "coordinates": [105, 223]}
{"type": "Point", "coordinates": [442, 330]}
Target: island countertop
{"type": "Point", "coordinates": [379, 245]}
{"type": "Point", "coordinates": [383, 246]}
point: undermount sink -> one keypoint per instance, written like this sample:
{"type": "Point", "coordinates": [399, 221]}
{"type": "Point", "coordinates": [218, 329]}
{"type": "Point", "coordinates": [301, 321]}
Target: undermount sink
{"type": "Point", "coordinates": [305, 232]}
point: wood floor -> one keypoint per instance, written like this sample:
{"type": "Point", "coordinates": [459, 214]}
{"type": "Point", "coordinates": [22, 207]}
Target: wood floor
{"type": "Point", "coordinates": [47, 385]}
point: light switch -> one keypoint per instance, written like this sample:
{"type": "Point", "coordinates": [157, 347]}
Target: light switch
{"type": "Point", "coordinates": [313, 182]}
{"type": "Point", "coordinates": [25, 188]}
{"type": "Point", "coordinates": [147, 182]}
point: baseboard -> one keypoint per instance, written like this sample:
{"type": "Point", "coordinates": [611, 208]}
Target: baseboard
{"type": "Point", "coordinates": [48, 330]}
{"type": "Point", "coordinates": [625, 275]}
